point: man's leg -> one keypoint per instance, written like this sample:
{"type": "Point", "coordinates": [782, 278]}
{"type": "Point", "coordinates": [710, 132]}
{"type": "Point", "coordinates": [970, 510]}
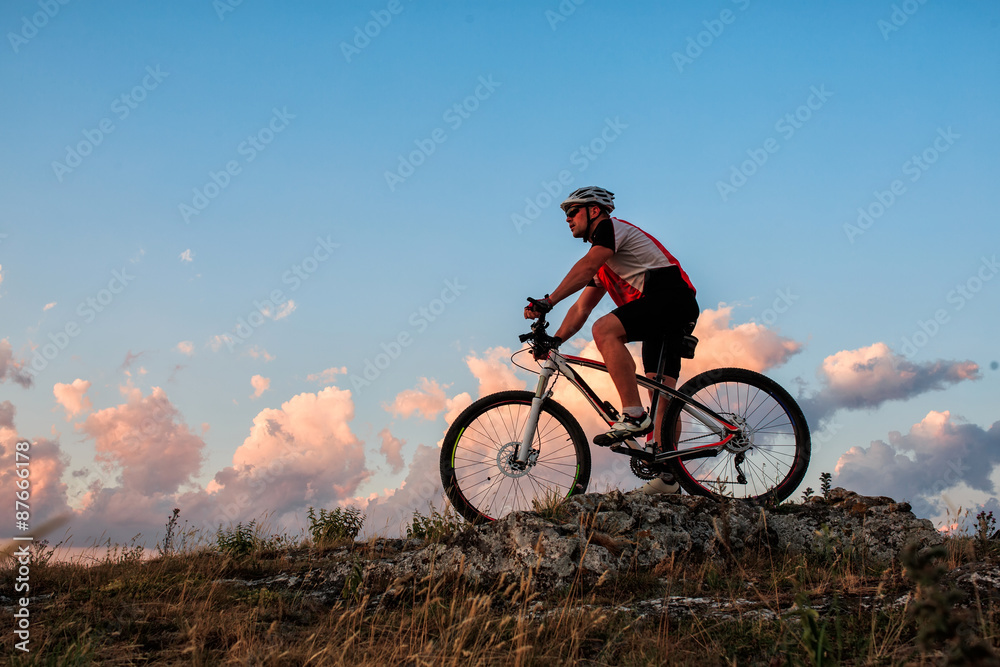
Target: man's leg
{"type": "Point", "coordinates": [661, 408]}
{"type": "Point", "coordinates": [609, 335]}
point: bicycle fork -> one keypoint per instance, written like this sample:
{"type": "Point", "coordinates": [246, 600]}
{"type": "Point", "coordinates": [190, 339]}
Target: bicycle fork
{"type": "Point", "coordinates": [542, 393]}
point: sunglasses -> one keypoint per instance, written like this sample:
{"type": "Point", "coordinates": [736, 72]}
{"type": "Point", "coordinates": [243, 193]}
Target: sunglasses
{"type": "Point", "coordinates": [572, 211]}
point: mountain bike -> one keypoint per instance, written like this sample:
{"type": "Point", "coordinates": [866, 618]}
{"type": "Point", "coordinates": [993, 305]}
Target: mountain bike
{"type": "Point", "coordinates": [728, 432]}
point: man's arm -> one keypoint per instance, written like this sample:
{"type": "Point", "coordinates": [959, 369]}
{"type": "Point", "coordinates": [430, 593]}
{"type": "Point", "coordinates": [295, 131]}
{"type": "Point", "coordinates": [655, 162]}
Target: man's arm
{"type": "Point", "coordinates": [580, 275]}
{"type": "Point", "coordinates": [580, 311]}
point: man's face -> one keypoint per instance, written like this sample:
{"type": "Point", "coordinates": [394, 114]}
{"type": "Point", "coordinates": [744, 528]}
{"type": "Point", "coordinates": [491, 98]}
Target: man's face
{"type": "Point", "coordinates": [576, 216]}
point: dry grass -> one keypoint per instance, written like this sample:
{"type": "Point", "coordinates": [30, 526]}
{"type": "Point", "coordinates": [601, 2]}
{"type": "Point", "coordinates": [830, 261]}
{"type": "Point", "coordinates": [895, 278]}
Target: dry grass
{"type": "Point", "coordinates": [195, 608]}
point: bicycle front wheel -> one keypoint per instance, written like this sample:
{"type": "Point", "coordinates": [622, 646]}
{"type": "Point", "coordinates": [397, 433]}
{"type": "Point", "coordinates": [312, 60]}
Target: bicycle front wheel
{"type": "Point", "coordinates": [765, 462]}
{"type": "Point", "coordinates": [478, 467]}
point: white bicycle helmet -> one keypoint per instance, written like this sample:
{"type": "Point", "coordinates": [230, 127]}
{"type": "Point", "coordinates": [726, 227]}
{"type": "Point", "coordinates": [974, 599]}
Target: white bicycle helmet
{"type": "Point", "coordinates": [591, 195]}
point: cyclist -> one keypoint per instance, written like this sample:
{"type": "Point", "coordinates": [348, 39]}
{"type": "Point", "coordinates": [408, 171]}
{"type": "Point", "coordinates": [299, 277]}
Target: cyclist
{"type": "Point", "coordinates": [655, 302]}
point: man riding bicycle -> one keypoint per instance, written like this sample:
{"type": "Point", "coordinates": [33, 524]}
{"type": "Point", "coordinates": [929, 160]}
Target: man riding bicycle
{"type": "Point", "coordinates": [655, 302]}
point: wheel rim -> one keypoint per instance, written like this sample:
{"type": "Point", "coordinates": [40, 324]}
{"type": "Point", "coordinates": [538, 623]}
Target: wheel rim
{"type": "Point", "coordinates": [482, 455]}
{"type": "Point", "coordinates": [764, 450]}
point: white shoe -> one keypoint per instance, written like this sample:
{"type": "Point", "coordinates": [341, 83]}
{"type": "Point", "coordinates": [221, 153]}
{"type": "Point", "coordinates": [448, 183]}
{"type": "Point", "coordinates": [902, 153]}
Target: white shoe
{"type": "Point", "coordinates": [659, 486]}
{"type": "Point", "coordinates": [627, 426]}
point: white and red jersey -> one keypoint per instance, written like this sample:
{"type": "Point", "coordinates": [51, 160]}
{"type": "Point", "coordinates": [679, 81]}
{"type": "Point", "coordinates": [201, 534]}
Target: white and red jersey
{"type": "Point", "coordinates": [636, 253]}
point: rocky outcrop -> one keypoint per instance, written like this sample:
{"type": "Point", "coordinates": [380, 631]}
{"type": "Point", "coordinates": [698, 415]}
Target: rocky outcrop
{"type": "Point", "coordinates": [595, 535]}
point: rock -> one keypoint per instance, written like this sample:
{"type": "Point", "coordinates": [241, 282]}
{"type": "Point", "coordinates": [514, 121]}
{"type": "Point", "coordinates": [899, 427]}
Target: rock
{"type": "Point", "coordinates": [595, 535]}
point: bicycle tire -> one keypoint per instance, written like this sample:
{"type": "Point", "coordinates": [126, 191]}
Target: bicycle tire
{"type": "Point", "coordinates": [778, 440]}
{"type": "Point", "coordinates": [476, 478]}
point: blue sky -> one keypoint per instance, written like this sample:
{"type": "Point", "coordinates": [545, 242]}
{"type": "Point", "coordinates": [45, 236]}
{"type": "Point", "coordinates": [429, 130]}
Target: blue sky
{"type": "Point", "coordinates": [657, 102]}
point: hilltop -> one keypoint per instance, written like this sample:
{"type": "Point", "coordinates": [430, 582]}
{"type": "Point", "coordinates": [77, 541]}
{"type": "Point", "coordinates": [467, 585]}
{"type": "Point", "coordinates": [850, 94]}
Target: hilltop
{"type": "Point", "coordinates": [595, 579]}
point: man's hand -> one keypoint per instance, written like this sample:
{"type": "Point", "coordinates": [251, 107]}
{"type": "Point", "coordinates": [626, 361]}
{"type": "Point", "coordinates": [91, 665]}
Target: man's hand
{"type": "Point", "coordinates": [537, 307]}
{"type": "Point", "coordinates": [541, 348]}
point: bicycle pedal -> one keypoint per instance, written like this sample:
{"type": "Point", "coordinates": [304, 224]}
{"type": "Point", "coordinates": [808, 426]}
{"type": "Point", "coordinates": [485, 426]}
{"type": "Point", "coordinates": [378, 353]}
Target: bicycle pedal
{"type": "Point", "coordinates": [633, 449]}
{"type": "Point", "coordinates": [605, 440]}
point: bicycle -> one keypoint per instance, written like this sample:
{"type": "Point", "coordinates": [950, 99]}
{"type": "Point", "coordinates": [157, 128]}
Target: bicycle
{"type": "Point", "coordinates": [512, 450]}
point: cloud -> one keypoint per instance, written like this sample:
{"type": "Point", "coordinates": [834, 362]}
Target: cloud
{"type": "Point", "coordinates": [869, 376]}
{"type": "Point", "coordinates": [301, 454]}
{"type": "Point", "coordinates": [284, 310]}
{"type": "Point", "coordinates": [494, 371]}
{"type": "Point", "coordinates": [186, 256]}
{"type": "Point", "coordinates": [257, 352]}
{"type": "Point", "coordinates": [429, 400]}
{"type": "Point", "coordinates": [328, 376]}
{"type": "Point", "coordinates": [391, 511]}
{"type": "Point", "coordinates": [392, 448]}
{"type": "Point", "coordinates": [260, 385]}
{"type": "Point", "coordinates": [72, 397]}
{"type": "Point", "coordinates": [216, 342]}
{"type": "Point", "coordinates": [48, 464]}
{"type": "Point", "coordinates": [186, 347]}
{"type": "Point", "coordinates": [49, 306]}
{"type": "Point", "coordinates": [12, 369]}
{"type": "Point", "coordinates": [7, 411]}
{"type": "Point", "coordinates": [131, 359]}
{"type": "Point", "coordinates": [939, 453]}
{"type": "Point", "coordinates": [147, 440]}
{"type": "Point", "coordinates": [749, 345]}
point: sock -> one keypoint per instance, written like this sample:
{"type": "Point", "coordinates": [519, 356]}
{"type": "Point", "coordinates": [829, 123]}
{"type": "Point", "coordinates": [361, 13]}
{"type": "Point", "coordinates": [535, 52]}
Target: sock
{"type": "Point", "coordinates": [634, 410]}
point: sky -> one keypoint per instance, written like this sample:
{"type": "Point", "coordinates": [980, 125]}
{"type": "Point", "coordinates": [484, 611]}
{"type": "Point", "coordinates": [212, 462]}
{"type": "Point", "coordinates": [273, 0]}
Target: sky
{"type": "Point", "coordinates": [255, 257]}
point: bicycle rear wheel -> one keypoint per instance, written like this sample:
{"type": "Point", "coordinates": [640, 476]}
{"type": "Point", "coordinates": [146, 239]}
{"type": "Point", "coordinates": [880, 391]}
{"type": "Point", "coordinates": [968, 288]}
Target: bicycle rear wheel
{"type": "Point", "coordinates": [478, 450]}
{"type": "Point", "coordinates": [765, 462]}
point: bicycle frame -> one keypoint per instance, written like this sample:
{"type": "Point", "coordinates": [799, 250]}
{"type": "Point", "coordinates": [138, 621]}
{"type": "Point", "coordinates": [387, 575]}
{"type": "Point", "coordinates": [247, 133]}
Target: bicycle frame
{"type": "Point", "coordinates": [557, 362]}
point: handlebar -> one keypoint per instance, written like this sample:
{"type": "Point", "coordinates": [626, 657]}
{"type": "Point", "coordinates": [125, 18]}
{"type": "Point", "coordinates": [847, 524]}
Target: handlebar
{"type": "Point", "coordinates": [541, 343]}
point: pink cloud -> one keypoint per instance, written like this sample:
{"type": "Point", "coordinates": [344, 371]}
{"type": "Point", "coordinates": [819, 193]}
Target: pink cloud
{"type": "Point", "coordinates": [303, 453]}
{"type": "Point", "coordinates": [869, 376]}
{"type": "Point", "coordinates": [328, 376]}
{"type": "Point", "coordinates": [749, 345]}
{"type": "Point", "coordinates": [12, 369]}
{"type": "Point", "coordinates": [260, 385]}
{"type": "Point", "coordinates": [186, 347]}
{"type": "Point", "coordinates": [72, 397]}
{"type": "Point", "coordinates": [390, 512]}
{"type": "Point", "coordinates": [429, 400]}
{"type": "Point", "coordinates": [494, 371]}
{"type": "Point", "coordinates": [939, 453]}
{"type": "Point", "coordinates": [392, 448]}
{"type": "Point", "coordinates": [257, 352]}
{"type": "Point", "coordinates": [147, 439]}
{"type": "Point", "coordinates": [47, 461]}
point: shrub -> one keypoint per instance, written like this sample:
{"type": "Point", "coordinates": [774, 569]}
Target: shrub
{"type": "Point", "coordinates": [435, 527]}
{"type": "Point", "coordinates": [343, 523]}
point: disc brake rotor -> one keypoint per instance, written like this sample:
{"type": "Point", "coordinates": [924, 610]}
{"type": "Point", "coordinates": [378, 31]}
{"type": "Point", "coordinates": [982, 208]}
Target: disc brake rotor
{"type": "Point", "coordinates": [507, 460]}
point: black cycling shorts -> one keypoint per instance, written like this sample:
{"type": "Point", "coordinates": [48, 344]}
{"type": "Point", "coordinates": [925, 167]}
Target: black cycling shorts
{"type": "Point", "coordinates": [661, 315]}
